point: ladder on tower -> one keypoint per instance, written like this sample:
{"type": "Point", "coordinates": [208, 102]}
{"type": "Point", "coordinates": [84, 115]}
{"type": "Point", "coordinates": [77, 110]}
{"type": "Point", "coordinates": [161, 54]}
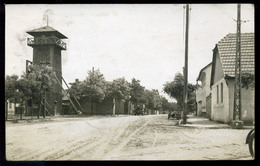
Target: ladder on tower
{"type": "Point", "coordinates": [77, 111]}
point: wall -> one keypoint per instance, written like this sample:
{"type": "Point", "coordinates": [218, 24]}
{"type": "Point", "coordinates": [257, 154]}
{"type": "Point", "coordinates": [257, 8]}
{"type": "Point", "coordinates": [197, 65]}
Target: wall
{"type": "Point", "coordinates": [103, 108]}
{"type": "Point", "coordinates": [220, 111]}
{"type": "Point", "coordinates": [199, 108]}
{"type": "Point", "coordinates": [208, 106]}
{"type": "Point", "coordinates": [119, 108]}
{"type": "Point", "coordinates": [247, 102]}
{"type": "Point", "coordinates": [218, 75]}
{"type": "Point", "coordinates": [199, 97]}
{"type": "Point", "coordinates": [203, 91]}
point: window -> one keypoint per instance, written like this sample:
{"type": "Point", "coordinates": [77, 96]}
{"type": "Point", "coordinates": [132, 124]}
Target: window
{"type": "Point", "coordinates": [217, 95]}
{"type": "Point", "coordinates": [221, 93]}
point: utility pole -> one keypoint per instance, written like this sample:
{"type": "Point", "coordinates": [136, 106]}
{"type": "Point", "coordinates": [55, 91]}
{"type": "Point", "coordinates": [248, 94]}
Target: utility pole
{"type": "Point", "coordinates": [185, 72]}
{"type": "Point", "coordinates": [237, 123]}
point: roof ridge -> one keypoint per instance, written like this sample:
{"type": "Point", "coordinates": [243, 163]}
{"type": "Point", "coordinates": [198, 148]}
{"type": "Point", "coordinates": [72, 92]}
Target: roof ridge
{"type": "Point", "coordinates": [232, 35]}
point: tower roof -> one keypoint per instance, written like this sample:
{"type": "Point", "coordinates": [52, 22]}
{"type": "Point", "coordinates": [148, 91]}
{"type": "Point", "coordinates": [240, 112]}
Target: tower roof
{"type": "Point", "coordinates": [46, 29]}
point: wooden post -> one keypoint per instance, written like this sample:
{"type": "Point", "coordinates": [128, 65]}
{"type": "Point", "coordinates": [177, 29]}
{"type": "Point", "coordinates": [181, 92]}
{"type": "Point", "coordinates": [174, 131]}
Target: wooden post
{"type": "Point", "coordinates": [185, 97]}
{"type": "Point", "coordinates": [114, 107]}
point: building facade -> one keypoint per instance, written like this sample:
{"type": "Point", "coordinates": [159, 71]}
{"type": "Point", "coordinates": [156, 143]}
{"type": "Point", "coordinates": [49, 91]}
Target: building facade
{"type": "Point", "coordinates": [223, 78]}
{"type": "Point", "coordinates": [203, 93]}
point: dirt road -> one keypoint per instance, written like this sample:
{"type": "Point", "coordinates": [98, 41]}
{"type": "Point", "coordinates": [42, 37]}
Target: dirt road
{"type": "Point", "coordinates": [152, 137]}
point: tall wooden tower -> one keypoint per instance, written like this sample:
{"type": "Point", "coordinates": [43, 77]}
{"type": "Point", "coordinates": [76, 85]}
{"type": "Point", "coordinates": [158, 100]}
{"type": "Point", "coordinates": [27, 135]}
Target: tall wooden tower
{"type": "Point", "coordinates": [47, 46]}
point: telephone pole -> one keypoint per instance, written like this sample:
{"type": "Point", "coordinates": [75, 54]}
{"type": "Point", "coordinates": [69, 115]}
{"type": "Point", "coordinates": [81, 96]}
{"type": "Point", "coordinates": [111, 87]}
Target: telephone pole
{"type": "Point", "coordinates": [185, 72]}
{"type": "Point", "coordinates": [237, 123]}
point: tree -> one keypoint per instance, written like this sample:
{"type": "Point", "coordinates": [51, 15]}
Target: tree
{"type": "Point", "coordinates": [11, 91]}
{"type": "Point", "coordinates": [137, 92]}
{"type": "Point", "coordinates": [119, 89]}
{"type": "Point", "coordinates": [75, 89]}
{"type": "Point", "coordinates": [11, 88]}
{"type": "Point", "coordinates": [40, 79]}
{"type": "Point", "coordinates": [248, 80]}
{"type": "Point", "coordinates": [175, 90]}
{"type": "Point", "coordinates": [154, 100]}
{"type": "Point", "coordinates": [93, 87]}
{"type": "Point", "coordinates": [169, 106]}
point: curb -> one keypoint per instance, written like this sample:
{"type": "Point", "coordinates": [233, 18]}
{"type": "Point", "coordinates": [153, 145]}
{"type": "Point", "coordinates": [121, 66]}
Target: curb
{"type": "Point", "coordinates": [202, 126]}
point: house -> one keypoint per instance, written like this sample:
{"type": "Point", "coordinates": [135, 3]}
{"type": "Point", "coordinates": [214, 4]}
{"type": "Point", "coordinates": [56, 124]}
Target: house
{"type": "Point", "coordinates": [223, 78]}
{"type": "Point", "coordinates": [10, 110]}
{"type": "Point", "coordinates": [203, 93]}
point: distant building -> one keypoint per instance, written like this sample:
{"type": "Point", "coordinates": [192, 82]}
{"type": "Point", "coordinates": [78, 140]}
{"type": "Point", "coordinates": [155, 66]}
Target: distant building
{"type": "Point", "coordinates": [11, 108]}
{"type": "Point", "coordinates": [203, 93]}
{"type": "Point", "coordinates": [223, 74]}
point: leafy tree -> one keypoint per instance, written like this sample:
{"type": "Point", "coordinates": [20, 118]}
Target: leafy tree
{"type": "Point", "coordinates": [11, 88]}
{"type": "Point", "coordinates": [11, 91]}
{"type": "Point", "coordinates": [169, 106]}
{"type": "Point", "coordinates": [175, 90]}
{"type": "Point", "coordinates": [75, 89]}
{"type": "Point", "coordinates": [40, 79]}
{"type": "Point", "coordinates": [248, 80]}
{"type": "Point", "coordinates": [119, 89]}
{"type": "Point", "coordinates": [191, 104]}
{"type": "Point", "coordinates": [93, 87]}
{"type": "Point", "coordinates": [137, 92]}
{"type": "Point", "coordinates": [154, 100]}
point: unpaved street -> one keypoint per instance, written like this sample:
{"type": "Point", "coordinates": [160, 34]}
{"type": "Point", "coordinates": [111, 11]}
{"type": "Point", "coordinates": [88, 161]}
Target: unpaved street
{"type": "Point", "coordinates": [152, 137]}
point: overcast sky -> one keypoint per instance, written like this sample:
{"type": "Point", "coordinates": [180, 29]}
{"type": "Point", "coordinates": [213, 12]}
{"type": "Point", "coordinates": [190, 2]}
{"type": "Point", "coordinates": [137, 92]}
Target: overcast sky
{"type": "Point", "coordinates": [142, 41]}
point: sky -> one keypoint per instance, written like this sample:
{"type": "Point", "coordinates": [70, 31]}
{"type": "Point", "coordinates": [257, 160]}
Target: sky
{"type": "Point", "coordinates": [142, 41]}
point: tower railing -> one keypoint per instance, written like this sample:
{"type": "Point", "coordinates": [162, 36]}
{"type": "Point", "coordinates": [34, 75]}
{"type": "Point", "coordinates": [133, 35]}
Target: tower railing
{"type": "Point", "coordinates": [46, 40]}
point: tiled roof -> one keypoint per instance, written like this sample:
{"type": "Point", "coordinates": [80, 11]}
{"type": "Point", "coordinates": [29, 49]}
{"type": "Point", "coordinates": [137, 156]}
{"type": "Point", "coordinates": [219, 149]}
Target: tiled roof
{"type": "Point", "coordinates": [47, 29]}
{"type": "Point", "coordinates": [227, 52]}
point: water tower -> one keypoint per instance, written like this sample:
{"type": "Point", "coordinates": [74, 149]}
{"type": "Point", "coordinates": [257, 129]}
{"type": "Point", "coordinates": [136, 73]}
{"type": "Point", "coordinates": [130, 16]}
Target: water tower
{"type": "Point", "coordinates": [47, 46]}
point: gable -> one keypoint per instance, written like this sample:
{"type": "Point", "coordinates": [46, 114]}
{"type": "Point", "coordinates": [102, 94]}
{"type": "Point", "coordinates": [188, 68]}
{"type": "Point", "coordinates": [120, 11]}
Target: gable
{"type": "Point", "coordinates": [204, 71]}
{"type": "Point", "coordinates": [217, 70]}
